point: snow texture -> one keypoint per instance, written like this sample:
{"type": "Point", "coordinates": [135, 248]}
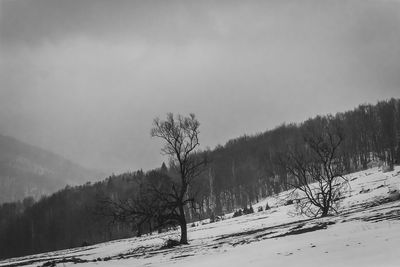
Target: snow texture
{"type": "Point", "coordinates": [365, 233]}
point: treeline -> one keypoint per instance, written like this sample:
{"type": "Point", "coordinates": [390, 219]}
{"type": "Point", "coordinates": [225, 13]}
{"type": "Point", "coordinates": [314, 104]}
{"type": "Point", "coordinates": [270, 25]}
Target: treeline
{"type": "Point", "coordinates": [69, 218]}
{"type": "Point", "coordinates": [245, 169]}
{"type": "Point", "coordinates": [237, 175]}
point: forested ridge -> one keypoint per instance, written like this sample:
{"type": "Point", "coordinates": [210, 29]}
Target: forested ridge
{"type": "Point", "coordinates": [26, 170]}
{"type": "Point", "coordinates": [237, 175]}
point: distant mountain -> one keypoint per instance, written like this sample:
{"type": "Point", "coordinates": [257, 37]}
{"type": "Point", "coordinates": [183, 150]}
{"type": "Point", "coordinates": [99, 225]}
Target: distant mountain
{"type": "Point", "coordinates": [26, 170]}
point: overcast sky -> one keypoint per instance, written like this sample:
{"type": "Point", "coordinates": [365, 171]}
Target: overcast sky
{"type": "Point", "coordinates": [86, 78]}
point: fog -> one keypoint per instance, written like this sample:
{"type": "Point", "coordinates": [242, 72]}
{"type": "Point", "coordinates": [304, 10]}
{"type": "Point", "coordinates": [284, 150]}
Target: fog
{"type": "Point", "coordinates": [86, 78]}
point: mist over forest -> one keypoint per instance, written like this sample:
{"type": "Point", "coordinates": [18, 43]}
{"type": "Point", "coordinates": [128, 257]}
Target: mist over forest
{"type": "Point", "coordinates": [237, 175]}
{"type": "Point", "coordinates": [148, 133]}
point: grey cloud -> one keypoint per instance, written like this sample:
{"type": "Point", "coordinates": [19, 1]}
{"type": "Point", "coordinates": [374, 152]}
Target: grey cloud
{"type": "Point", "coordinates": [86, 78]}
{"type": "Point", "coordinates": [35, 21]}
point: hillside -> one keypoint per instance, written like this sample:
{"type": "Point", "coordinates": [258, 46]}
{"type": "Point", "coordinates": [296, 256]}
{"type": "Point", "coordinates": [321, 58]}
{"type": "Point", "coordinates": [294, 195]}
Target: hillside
{"type": "Point", "coordinates": [365, 233]}
{"type": "Point", "coordinates": [239, 174]}
{"type": "Point", "coordinates": [27, 170]}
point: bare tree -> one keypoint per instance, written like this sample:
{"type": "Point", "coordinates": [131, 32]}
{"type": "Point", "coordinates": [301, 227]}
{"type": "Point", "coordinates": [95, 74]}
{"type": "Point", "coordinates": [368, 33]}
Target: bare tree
{"type": "Point", "coordinates": [160, 200]}
{"type": "Point", "coordinates": [137, 209]}
{"type": "Point", "coordinates": [181, 140]}
{"type": "Point", "coordinates": [316, 171]}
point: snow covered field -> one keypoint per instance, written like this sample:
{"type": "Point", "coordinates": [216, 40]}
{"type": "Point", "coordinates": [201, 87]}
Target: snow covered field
{"type": "Point", "coordinates": [366, 233]}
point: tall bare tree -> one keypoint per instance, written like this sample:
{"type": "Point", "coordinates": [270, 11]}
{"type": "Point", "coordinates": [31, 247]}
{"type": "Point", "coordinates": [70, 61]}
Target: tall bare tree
{"type": "Point", "coordinates": [316, 170]}
{"type": "Point", "coordinates": [181, 141]}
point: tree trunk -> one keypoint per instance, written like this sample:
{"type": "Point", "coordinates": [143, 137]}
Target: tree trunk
{"type": "Point", "coordinates": [391, 158]}
{"type": "Point", "coordinates": [325, 211]}
{"type": "Point", "coordinates": [150, 228]}
{"type": "Point", "coordinates": [182, 223]}
{"type": "Point", "coordinates": [183, 232]}
{"type": "Point", "coordinates": [397, 159]}
{"type": "Point", "coordinates": [138, 230]}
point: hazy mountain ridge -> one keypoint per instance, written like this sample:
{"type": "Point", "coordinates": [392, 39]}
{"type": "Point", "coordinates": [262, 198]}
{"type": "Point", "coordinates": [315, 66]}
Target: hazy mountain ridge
{"type": "Point", "coordinates": [26, 170]}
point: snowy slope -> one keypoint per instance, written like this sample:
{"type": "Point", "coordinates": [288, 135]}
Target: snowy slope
{"type": "Point", "coordinates": [366, 233]}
